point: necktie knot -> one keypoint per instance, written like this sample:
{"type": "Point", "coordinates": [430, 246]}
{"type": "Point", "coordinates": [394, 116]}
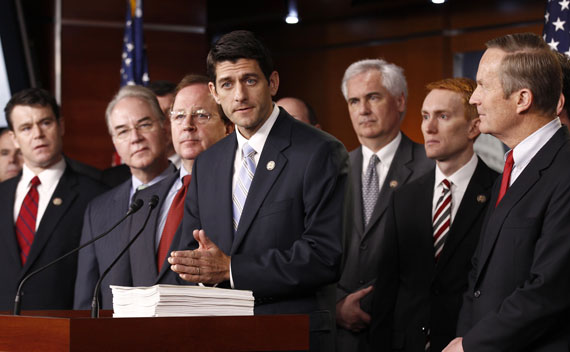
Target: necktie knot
{"type": "Point", "coordinates": [186, 181]}
{"type": "Point", "coordinates": [34, 182]}
{"type": "Point", "coordinates": [446, 185]}
{"type": "Point", "coordinates": [374, 160]}
{"type": "Point", "coordinates": [247, 151]}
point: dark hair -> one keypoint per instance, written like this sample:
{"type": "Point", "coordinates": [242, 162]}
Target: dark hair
{"type": "Point", "coordinates": [565, 65]}
{"type": "Point", "coordinates": [191, 79]}
{"type": "Point", "coordinates": [162, 88]}
{"type": "Point", "coordinates": [31, 97]}
{"type": "Point", "coordinates": [239, 45]}
{"type": "Point", "coordinates": [529, 63]}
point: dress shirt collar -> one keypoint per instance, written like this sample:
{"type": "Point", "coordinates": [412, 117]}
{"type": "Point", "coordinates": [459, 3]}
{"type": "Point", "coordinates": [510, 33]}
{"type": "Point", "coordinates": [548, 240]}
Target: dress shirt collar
{"type": "Point", "coordinates": [136, 183]}
{"type": "Point", "coordinates": [527, 149]}
{"type": "Point", "coordinates": [460, 178]}
{"type": "Point", "coordinates": [48, 177]}
{"type": "Point", "coordinates": [385, 154]}
{"type": "Point", "coordinates": [257, 141]}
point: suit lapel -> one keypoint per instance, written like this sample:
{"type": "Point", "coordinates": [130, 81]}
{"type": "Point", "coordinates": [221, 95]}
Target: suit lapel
{"type": "Point", "coordinates": [526, 180]}
{"type": "Point", "coordinates": [356, 180]}
{"type": "Point", "coordinates": [7, 220]}
{"type": "Point", "coordinates": [62, 199]}
{"type": "Point", "coordinates": [279, 138]}
{"type": "Point", "coordinates": [474, 200]}
{"type": "Point", "coordinates": [219, 188]}
{"type": "Point", "coordinates": [397, 175]}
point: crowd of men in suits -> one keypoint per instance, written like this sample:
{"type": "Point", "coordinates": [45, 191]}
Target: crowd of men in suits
{"type": "Point", "coordinates": [393, 246]}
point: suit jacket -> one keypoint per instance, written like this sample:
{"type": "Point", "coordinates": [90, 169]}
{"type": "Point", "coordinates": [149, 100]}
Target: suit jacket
{"type": "Point", "coordinates": [143, 254]}
{"type": "Point", "coordinates": [519, 289]}
{"type": "Point", "coordinates": [361, 266]}
{"type": "Point", "coordinates": [101, 214]}
{"type": "Point", "coordinates": [289, 242]}
{"type": "Point", "coordinates": [428, 294]}
{"type": "Point", "coordinates": [58, 233]}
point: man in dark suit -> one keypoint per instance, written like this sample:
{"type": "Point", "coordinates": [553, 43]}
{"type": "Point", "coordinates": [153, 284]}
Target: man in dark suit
{"type": "Point", "coordinates": [432, 229]}
{"type": "Point", "coordinates": [41, 209]}
{"type": "Point", "coordinates": [376, 93]}
{"type": "Point", "coordinates": [518, 297]}
{"type": "Point", "coordinates": [136, 124]}
{"type": "Point", "coordinates": [266, 204]}
{"type": "Point", "coordinates": [196, 123]}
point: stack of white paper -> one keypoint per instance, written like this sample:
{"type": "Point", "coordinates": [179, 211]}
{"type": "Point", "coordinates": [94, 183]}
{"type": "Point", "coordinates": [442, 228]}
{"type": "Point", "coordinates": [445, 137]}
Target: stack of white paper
{"type": "Point", "coordinates": [174, 300]}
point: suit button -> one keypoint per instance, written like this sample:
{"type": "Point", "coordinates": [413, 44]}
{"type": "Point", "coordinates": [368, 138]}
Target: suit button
{"type": "Point", "coordinates": [476, 294]}
{"type": "Point", "coordinates": [361, 282]}
{"type": "Point", "coordinates": [363, 246]}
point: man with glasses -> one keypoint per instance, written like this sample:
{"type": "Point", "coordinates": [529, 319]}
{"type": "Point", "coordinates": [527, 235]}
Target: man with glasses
{"type": "Point", "coordinates": [137, 127]}
{"type": "Point", "coordinates": [41, 208]}
{"type": "Point", "coordinates": [196, 123]}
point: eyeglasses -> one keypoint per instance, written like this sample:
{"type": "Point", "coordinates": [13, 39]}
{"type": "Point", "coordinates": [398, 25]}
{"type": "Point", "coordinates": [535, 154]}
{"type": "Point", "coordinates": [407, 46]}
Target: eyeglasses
{"type": "Point", "coordinates": [199, 116]}
{"type": "Point", "coordinates": [123, 133]}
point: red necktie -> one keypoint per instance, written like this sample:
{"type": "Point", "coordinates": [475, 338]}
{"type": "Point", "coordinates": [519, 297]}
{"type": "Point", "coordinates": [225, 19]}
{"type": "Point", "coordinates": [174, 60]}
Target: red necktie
{"type": "Point", "coordinates": [26, 222]}
{"type": "Point", "coordinates": [172, 221]}
{"type": "Point", "coordinates": [506, 177]}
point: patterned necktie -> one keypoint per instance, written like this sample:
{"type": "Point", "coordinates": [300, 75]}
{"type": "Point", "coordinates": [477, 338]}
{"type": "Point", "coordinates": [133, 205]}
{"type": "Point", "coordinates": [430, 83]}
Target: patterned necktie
{"type": "Point", "coordinates": [442, 218]}
{"type": "Point", "coordinates": [506, 177]}
{"type": "Point", "coordinates": [245, 176]}
{"type": "Point", "coordinates": [26, 222]}
{"type": "Point", "coordinates": [370, 188]}
{"type": "Point", "coordinates": [172, 221]}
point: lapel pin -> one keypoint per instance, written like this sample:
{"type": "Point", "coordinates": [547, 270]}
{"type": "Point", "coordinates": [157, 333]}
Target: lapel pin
{"type": "Point", "coordinates": [481, 198]}
{"type": "Point", "coordinates": [393, 184]}
{"type": "Point", "coordinates": [271, 165]}
{"type": "Point", "coordinates": [57, 201]}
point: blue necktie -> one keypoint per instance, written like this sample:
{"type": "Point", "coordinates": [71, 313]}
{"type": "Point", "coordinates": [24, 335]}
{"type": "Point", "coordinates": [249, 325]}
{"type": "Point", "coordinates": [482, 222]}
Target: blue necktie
{"type": "Point", "coordinates": [245, 176]}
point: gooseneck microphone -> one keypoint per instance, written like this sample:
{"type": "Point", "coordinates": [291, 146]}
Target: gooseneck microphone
{"type": "Point", "coordinates": [152, 203]}
{"type": "Point", "coordinates": [134, 207]}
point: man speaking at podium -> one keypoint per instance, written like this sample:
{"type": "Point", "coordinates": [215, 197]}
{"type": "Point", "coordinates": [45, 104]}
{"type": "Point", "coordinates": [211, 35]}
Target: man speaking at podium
{"type": "Point", "coordinates": [266, 204]}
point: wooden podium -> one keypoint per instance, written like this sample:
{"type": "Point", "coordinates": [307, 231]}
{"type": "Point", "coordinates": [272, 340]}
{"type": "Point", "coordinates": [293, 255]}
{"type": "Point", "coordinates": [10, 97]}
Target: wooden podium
{"type": "Point", "coordinates": [76, 331]}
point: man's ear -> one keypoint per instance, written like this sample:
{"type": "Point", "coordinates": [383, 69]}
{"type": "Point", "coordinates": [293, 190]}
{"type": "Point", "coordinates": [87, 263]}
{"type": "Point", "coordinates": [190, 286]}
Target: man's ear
{"type": "Point", "coordinates": [474, 131]}
{"type": "Point", "coordinates": [212, 88]}
{"type": "Point", "coordinates": [273, 83]}
{"type": "Point", "coordinates": [523, 99]}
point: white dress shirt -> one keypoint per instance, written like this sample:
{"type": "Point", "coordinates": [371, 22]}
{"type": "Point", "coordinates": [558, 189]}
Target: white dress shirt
{"type": "Point", "coordinates": [257, 142]}
{"type": "Point", "coordinates": [386, 155]}
{"type": "Point", "coordinates": [49, 179]}
{"type": "Point", "coordinates": [527, 149]}
{"type": "Point", "coordinates": [459, 182]}
{"type": "Point", "coordinates": [138, 184]}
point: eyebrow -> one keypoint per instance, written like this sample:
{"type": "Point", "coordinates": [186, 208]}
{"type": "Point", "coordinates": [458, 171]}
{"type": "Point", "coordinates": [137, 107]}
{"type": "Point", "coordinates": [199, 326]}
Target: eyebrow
{"type": "Point", "coordinates": [142, 119]}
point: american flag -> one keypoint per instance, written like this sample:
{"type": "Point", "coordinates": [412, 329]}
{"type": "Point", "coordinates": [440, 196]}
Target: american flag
{"type": "Point", "coordinates": [134, 68]}
{"type": "Point", "coordinates": [557, 25]}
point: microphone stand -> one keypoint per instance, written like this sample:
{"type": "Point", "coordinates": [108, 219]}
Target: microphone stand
{"type": "Point", "coordinates": [95, 302]}
{"type": "Point", "coordinates": [135, 206]}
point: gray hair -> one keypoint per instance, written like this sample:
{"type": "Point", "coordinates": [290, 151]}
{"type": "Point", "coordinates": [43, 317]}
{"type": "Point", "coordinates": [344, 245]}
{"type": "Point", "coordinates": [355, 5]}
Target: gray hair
{"type": "Point", "coordinates": [138, 92]}
{"type": "Point", "coordinates": [393, 78]}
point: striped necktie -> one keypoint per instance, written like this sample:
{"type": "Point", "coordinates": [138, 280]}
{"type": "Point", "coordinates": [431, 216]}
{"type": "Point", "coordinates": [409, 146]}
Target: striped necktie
{"type": "Point", "coordinates": [442, 218]}
{"type": "Point", "coordinates": [245, 177]}
{"type": "Point", "coordinates": [26, 222]}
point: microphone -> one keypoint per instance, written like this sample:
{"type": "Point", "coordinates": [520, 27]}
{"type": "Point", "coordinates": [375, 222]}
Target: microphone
{"type": "Point", "coordinates": [152, 203]}
{"type": "Point", "coordinates": [134, 207]}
